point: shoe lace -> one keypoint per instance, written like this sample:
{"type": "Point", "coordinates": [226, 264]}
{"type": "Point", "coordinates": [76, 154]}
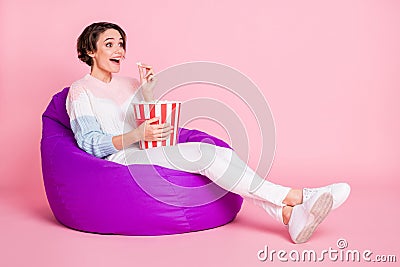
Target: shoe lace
{"type": "Point", "coordinates": [308, 193]}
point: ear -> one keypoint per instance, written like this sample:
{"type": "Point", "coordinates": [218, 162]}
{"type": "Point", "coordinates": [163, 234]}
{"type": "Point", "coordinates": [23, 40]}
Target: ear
{"type": "Point", "coordinates": [90, 53]}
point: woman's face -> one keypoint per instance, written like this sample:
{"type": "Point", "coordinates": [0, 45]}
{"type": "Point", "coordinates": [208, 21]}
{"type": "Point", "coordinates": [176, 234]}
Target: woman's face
{"type": "Point", "coordinates": [110, 52]}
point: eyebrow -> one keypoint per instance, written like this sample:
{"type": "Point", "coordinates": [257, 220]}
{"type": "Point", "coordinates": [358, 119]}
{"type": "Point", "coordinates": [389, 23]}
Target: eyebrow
{"type": "Point", "coordinates": [111, 38]}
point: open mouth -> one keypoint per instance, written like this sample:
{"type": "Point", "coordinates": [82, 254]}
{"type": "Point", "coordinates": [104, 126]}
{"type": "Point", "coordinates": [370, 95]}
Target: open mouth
{"type": "Point", "coordinates": [116, 60]}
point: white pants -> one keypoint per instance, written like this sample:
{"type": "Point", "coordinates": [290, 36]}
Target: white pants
{"type": "Point", "coordinates": [221, 165]}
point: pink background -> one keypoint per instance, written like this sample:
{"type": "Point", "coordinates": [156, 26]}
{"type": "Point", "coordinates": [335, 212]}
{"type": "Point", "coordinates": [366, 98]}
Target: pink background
{"type": "Point", "coordinates": [329, 70]}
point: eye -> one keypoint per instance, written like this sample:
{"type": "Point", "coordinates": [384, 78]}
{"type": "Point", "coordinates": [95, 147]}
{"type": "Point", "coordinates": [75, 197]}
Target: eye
{"type": "Point", "coordinates": [121, 44]}
{"type": "Point", "coordinates": [108, 44]}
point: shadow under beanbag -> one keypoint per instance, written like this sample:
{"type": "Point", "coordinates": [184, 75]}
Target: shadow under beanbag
{"type": "Point", "coordinates": [95, 195]}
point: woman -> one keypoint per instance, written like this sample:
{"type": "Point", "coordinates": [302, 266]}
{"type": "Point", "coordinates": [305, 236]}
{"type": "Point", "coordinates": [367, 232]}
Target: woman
{"type": "Point", "coordinates": [99, 107]}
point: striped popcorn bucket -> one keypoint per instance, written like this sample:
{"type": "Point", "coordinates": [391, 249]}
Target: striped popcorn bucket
{"type": "Point", "coordinates": [167, 111]}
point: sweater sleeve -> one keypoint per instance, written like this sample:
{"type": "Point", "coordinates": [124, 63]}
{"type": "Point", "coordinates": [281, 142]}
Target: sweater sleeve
{"type": "Point", "coordinates": [87, 131]}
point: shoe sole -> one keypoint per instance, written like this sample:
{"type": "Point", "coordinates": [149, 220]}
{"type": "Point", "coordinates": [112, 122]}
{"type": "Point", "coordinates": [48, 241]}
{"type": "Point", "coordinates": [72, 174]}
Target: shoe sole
{"type": "Point", "coordinates": [320, 209]}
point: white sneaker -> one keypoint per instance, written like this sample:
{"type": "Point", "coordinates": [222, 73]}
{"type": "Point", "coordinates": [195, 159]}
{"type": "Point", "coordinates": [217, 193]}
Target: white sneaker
{"type": "Point", "coordinates": [339, 191]}
{"type": "Point", "coordinates": [306, 217]}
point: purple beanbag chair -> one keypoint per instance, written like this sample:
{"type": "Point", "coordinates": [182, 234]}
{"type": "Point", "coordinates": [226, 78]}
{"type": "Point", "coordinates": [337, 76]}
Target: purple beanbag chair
{"type": "Point", "coordinates": [95, 195]}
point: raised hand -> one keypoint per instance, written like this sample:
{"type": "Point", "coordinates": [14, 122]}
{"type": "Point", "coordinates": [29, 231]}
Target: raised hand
{"type": "Point", "coordinates": [147, 80]}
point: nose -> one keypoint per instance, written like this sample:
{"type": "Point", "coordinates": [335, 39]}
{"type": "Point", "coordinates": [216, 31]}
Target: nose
{"type": "Point", "coordinates": [120, 50]}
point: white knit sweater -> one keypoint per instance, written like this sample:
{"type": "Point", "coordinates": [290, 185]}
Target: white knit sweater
{"type": "Point", "coordinates": [98, 111]}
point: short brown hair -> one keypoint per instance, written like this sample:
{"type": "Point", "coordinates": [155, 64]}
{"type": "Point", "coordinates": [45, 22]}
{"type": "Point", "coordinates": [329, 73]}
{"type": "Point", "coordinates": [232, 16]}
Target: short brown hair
{"type": "Point", "coordinates": [87, 41]}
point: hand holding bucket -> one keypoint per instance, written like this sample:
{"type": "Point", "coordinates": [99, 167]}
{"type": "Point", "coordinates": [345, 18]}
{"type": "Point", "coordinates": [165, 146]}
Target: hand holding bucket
{"type": "Point", "coordinates": [166, 111]}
